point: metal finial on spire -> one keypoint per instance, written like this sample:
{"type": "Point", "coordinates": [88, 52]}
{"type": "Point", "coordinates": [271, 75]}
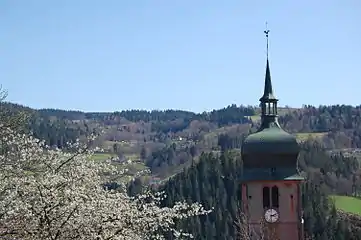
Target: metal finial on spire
{"type": "Point", "coordinates": [268, 90]}
{"type": "Point", "coordinates": [266, 32]}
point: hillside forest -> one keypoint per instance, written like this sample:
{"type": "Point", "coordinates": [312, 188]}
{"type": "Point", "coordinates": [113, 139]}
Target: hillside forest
{"type": "Point", "coordinates": [195, 157]}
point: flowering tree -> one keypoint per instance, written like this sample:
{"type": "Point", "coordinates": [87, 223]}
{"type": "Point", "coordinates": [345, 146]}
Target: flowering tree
{"type": "Point", "coordinates": [246, 232]}
{"type": "Point", "coordinates": [51, 194]}
{"type": "Point", "coordinates": [9, 117]}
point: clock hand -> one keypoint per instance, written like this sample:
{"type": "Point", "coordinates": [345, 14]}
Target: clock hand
{"type": "Point", "coordinates": [273, 215]}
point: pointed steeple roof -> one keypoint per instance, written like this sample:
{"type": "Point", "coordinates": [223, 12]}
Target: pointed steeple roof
{"type": "Point", "coordinates": [268, 90]}
{"type": "Point", "coordinates": [262, 149]}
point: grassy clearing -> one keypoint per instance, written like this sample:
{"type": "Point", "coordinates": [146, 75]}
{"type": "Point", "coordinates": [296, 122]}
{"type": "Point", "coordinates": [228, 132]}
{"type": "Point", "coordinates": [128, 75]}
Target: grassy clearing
{"type": "Point", "coordinates": [255, 118]}
{"type": "Point", "coordinates": [347, 204]}
{"type": "Point", "coordinates": [101, 156]}
{"type": "Point", "coordinates": [132, 157]}
{"type": "Point", "coordinates": [135, 168]}
{"type": "Point", "coordinates": [304, 136]}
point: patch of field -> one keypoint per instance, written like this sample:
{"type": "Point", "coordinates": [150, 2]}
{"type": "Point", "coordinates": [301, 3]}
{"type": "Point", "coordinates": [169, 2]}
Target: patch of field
{"type": "Point", "coordinates": [255, 118]}
{"type": "Point", "coordinates": [101, 156]}
{"type": "Point", "coordinates": [136, 167]}
{"type": "Point", "coordinates": [304, 136]}
{"type": "Point", "coordinates": [132, 157]}
{"type": "Point", "coordinates": [347, 204]}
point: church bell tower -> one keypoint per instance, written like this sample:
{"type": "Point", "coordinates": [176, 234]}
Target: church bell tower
{"type": "Point", "coordinates": [271, 195]}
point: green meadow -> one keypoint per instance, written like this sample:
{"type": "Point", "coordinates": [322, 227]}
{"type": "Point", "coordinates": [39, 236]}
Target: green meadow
{"type": "Point", "coordinates": [347, 204]}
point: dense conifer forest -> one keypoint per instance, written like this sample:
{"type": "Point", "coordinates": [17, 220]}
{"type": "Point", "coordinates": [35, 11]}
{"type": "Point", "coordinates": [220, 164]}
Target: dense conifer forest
{"type": "Point", "coordinates": [196, 157]}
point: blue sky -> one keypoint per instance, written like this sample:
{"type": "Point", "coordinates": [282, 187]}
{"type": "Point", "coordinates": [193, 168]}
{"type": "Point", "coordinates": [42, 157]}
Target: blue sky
{"type": "Point", "coordinates": [199, 55]}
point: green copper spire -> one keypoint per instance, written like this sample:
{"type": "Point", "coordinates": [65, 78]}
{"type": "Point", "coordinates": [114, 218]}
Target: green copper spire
{"type": "Point", "coordinates": [268, 100]}
{"type": "Point", "coordinates": [268, 91]}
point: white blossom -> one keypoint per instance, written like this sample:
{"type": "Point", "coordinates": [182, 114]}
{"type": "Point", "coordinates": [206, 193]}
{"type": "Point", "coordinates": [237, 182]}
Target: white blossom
{"type": "Point", "coordinates": [47, 193]}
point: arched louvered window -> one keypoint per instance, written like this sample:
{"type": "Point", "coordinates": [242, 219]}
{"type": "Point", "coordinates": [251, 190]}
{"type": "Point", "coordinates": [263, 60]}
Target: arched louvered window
{"type": "Point", "coordinates": [275, 197]}
{"type": "Point", "coordinates": [266, 197]}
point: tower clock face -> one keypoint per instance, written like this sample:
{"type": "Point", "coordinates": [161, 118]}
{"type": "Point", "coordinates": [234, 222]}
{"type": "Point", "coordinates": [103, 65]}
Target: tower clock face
{"type": "Point", "coordinates": [271, 215]}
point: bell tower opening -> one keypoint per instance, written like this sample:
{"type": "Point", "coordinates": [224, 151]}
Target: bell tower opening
{"type": "Point", "coordinates": [266, 198]}
{"type": "Point", "coordinates": [275, 199]}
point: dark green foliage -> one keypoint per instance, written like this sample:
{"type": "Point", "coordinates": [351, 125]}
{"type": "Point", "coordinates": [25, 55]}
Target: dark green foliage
{"type": "Point", "coordinates": [213, 182]}
{"type": "Point", "coordinates": [225, 141]}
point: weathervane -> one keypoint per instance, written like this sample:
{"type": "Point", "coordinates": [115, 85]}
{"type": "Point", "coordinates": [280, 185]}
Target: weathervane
{"type": "Point", "coordinates": [266, 32]}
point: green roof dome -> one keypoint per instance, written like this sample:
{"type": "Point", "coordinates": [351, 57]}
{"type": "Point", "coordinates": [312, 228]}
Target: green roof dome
{"type": "Point", "coordinates": [270, 146]}
{"type": "Point", "coordinates": [272, 140]}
